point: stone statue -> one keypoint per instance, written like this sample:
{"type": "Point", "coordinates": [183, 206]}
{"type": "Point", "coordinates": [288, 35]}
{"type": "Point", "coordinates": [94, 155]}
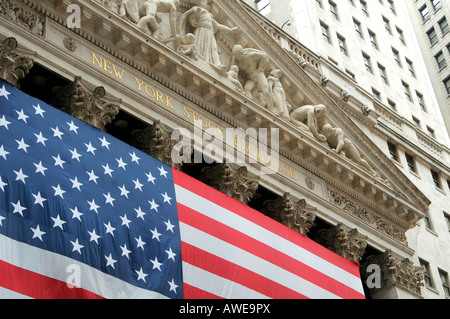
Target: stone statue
{"type": "Point", "coordinates": [233, 76]}
{"type": "Point", "coordinates": [188, 47]}
{"type": "Point", "coordinates": [343, 146]}
{"type": "Point", "coordinates": [147, 14]}
{"type": "Point", "coordinates": [253, 63]}
{"type": "Point", "coordinates": [309, 118]}
{"type": "Point", "coordinates": [199, 21]}
{"type": "Point", "coordinates": [278, 94]}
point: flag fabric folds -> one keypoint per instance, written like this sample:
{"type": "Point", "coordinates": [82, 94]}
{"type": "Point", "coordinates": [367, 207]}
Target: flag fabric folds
{"type": "Point", "coordinates": [84, 215]}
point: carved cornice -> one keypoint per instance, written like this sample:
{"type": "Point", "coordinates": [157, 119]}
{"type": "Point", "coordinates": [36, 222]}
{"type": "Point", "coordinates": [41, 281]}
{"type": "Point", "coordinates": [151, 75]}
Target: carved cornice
{"type": "Point", "coordinates": [29, 20]}
{"type": "Point", "coordinates": [396, 272]}
{"type": "Point", "coordinates": [15, 64]}
{"type": "Point", "coordinates": [291, 212]}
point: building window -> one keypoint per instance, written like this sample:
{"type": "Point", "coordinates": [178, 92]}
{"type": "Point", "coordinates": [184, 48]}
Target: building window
{"type": "Point", "coordinates": [367, 63]}
{"type": "Point", "coordinates": [447, 220]}
{"type": "Point", "coordinates": [342, 45]}
{"type": "Point", "coordinates": [325, 32]}
{"type": "Point", "coordinates": [319, 3]}
{"type": "Point", "coordinates": [447, 84]}
{"type": "Point", "coordinates": [426, 219]}
{"type": "Point", "coordinates": [436, 4]}
{"type": "Point", "coordinates": [444, 281]}
{"type": "Point", "coordinates": [443, 24]}
{"type": "Point", "coordinates": [416, 122]}
{"type": "Point", "coordinates": [410, 67]}
{"type": "Point", "coordinates": [410, 162]}
{"type": "Point", "coordinates": [424, 12]}
{"type": "Point", "coordinates": [392, 151]}
{"type": "Point", "coordinates": [396, 57]}
{"type": "Point", "coordinates": [401, 37]}
{"type": "Point", "coordinates": [364, 7]}
{"type": "Point", "coordinates": [391, 6]}
{"type": "Point", "coordinates": [421, 102]}
{"type": "Point", "coordinates": [426, 273]}
{"type": "Point", "coordinates": [376, 94]}
{"type": "Point", "coordinates": [431, 132]}
{"type": "Point", "coordinates": [387, 25]}
{"type": "Point", "coordinates": [440, 60]}
{"type": "Point", "coordinates": [263, 6]}
{"type": "Point", "coordinates": [333, 9]}
{"type": "Point", "coordinates": [432, 36]}
{"type": "Point", "coordinates": [407, 91]}
{"type": "Point", "coordinates": [373, 39]}
{"type": "Point", "coordinates": [435, 177]}
{"type": "Point", "coordinates": [383, 75]}
{"type": "Point", "coordinates": [357, 26]}
{"type": "Point", "coordinates": [392, 105]}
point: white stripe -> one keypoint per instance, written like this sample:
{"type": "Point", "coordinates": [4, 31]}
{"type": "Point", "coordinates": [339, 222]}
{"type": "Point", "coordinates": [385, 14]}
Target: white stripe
{"type": "Point", "coordinates": [9, 294]}
{"type": "Point", "coordinates": [55, 266]}
{"type": "Point", "coordinates": [217, 285]}
{"type": "Point", "coordinates": [251, 262]}
{"type": "Point", "coordinates": [224, 216]}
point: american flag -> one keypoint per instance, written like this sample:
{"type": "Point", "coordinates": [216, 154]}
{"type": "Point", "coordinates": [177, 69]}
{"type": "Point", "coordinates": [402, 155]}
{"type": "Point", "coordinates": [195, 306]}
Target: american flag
{"type": "Point", "coordinates": [84, 215]}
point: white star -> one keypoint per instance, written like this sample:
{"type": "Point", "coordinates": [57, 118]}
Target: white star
{"type": "Point", "coordinates": [140, 242]}
{"type": "Point", "coordinates": [3, 153]}
{"type": "Point", "coordinates": [125, 251]}
{"type": "Point", "coordinates": [75, 154]}
{"type": "Point", "coordinates": [155, 234]}
{"type": "Point", "coordinates": [171, 254]}
{"type": "Point", "coordinates": [125, 220]}
{"type": "Point", "coordinates": [4, 122]}
{"type": "Point", "coordinates": [18, 208]}
{"type": "Point", "coordinates": [58, 191]}
{"type": "Point", "coordinates": [22, 145]}
{"type": "Point", "coordinates": [40, 139]}
{"type": "Point", "coordinates": [90, 148]}
{"type": "Point", "coordinates": [107, 169]}
{"type": "Point", "coordinates": [77, 246]}
{"type": "Point", "coordinates": [109, 199]}
{"type": "Point", "coordinates": [140, 213]}
{"type": "Point", "coordinates": [20, 176]}
{"type": "Point", "coordinates": [123, 191]}
{"type": "Point", "coordinates": [167, 199]}
{"type": "Point", "coordinates": [109, 228]}
{"type": "Point", "coordinates": [134, 158]}
{"type": "Point", "coordinates": [110, 261]}
{"type": "Point", "coordinates": [37, 233]}
{"type": "Point", "coordinates": [93, 206]}
{"type": "Point", "coordinates": [38, 199]}
{"type": "Point", "coordinates": [173, 287]}
{"type": "Point", "coordinates": [76, 214]}
{"type": "Point", "coordinates": [153, 205]}
{"type": "Point", "coordinates": [4, 93]}
{"type": "Point", "coordinates": [39, 110]}
{"type": "Point", "coordinates": [94, 236]}
{"type": "Point", "coordinates": [22, 116]}
{"type": "Point", "coordinates": [92, 176]}
{"type": "Point", "coordinates": [40, 168]}
{"type": "Point", "coordinates": [76, 183]}
{"type": "Point", "coordinates": [163, 171]}
{"type": "Point", "coordinates": [156, 264]}
{"type": "Point", "coordinates": [121, 163]}
{"type": "Point", "coordinates": [137, 184]}
{"type": "Point", "coordinates": [1, 220]}
{"type": "Point", "coordinates": [169, 226]}
{"type": "Point", "coordinates": [150, 178]}
{"type": "Point", "coordinates": [2, 184]}
{"type": "Point", "coordinates": [141, 275]}
{"type": "Point", "coordinates": [59, 162]}
{"type": "Point", "coordinates": [72, 127]}
{"type": "Point", "coordinates": [57, 132]}
{"type": "Point", "coordinates": [58, 222]}
{"type": "Point", "coordinates": [105, 143]}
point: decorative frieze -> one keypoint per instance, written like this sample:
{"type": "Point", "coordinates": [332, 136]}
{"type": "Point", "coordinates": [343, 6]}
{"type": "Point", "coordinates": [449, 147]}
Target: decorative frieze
{"type": "Point", "coordinates": [234, 182]}
{"type": "Point", "coordinates": [14, 64]}
{"type": "Point", "coordinates": [346, 243]}
{"type": "Point", "coordinates": [291, 212]}
{"type": "Point", "coordinates": [395, 272]}
{"type": "Point", "coordinates": [31, 21]}
{"type": "Point", "coordinates": [91, 106]}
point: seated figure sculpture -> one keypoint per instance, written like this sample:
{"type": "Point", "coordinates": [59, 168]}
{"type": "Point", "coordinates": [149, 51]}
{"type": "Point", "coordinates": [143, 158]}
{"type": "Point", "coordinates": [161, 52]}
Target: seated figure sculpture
{"type": "Point", "coordinates": [309, 118]}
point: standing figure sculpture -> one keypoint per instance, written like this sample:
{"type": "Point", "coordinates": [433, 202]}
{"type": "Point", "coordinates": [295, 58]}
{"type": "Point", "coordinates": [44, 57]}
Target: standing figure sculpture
{"type": "Point", "coordinates": [253, 63]}
{"type": "Point", "coordinates": [279, 95]}
{"type": "Point", "coordinates": [199, 21]}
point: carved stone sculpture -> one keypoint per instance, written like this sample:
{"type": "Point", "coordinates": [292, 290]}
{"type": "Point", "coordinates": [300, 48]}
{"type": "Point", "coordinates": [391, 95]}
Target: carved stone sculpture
{"type": "Point", "coordinates": [14, 65]}
{"type": "Point", "coordinates": [280, 103]}
{"type": "Point", "coordinates": [231, 181]}
{"type": "Point", "coordinates": [395, 272]}
{"type": "Point", "coordinates": [310, 118]}
{"type": "Point", "coordinates": [233, 76]}
{"type": "Point", "coordinates": [346, 243]}
{"type": "Point", "coordinates": [253, 63]}
{"type": "Point", "coordinates": [342, 145]}
{"type": "Point", "coordinates": [199, 21]}
{"type": "Point", "coordinates": [91, 106]}
{"type": "Point", "coordinates": [156, 141]}
{"type": "Point", "coordinates": [290, 213]}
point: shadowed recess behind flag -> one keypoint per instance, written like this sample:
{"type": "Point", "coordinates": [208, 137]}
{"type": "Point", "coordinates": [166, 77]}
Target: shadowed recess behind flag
{"type": "Point", "coordinates": [84, 215]}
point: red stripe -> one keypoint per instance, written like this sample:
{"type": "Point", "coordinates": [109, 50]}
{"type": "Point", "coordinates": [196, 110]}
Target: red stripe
{"type": "Point", "coordinates": [225, 269]}
{"type": "Point", "coordinates": [38, 286]}
{"type": "Point", "coordinates": [191, 292]}
{"type": "Point", "coordinates": [244, 211]}
{"type": "Point", "coordinates": [253, 246]}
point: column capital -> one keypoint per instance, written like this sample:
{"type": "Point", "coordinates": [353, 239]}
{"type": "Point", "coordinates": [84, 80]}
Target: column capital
{"type": "Point", "coordinates": [15, 63]}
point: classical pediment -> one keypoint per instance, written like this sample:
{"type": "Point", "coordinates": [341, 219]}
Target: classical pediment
{"type": "Point", "coordinates": [236, 67]}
